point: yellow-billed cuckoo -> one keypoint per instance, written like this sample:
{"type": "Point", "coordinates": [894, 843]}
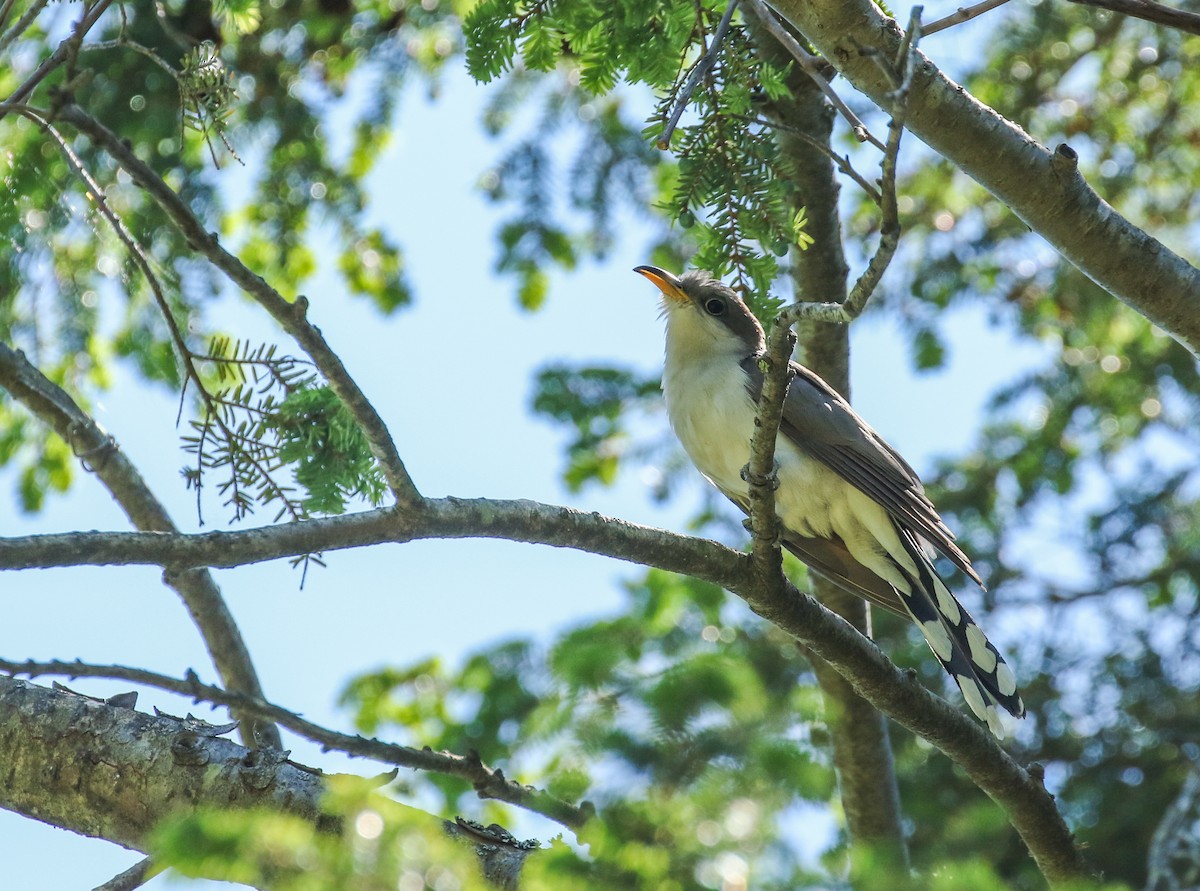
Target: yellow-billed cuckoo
{"type": "Point", "coordinates": [851, 508]}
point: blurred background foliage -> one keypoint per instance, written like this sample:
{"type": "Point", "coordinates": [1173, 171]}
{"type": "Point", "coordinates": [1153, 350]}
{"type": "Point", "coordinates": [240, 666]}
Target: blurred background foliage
{"type": "Point", "coordinates": [693, 727]}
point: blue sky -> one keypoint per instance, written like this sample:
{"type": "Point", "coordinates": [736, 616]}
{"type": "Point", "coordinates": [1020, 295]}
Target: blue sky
{"type": "Point", "coordinates": [458, 407]}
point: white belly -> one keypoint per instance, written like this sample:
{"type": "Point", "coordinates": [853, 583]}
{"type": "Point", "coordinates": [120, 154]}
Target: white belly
{"type": "Point", "coordinates": [714, 419]}
{"type": "Point", "coordinates": [713, 416]}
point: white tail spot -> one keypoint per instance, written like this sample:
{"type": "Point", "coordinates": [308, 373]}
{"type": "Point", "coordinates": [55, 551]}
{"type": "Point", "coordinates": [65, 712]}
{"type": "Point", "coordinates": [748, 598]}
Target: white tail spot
{"type": "Point", "coordinates": [946, 602]}
{"type": "Point", "coordinates": [939, 639]}
{"type": "Point", "coordinates": [980, 652]}
{"type": "Point", "coordinates": [974, 697]}
{"type": "Point", "coordinates": [1006, 681]}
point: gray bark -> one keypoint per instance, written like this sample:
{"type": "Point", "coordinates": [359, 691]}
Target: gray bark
{"type": "Point", "coordinates": [114, 773]}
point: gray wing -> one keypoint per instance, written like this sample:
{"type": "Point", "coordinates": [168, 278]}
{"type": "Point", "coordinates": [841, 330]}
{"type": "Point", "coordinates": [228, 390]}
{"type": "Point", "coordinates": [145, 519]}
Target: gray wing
{"type": "Point", "coordinates": [821, 423]}
{"type": "Point", "coordinates": [831, 558]}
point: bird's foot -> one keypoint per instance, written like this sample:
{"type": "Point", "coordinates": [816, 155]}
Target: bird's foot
{"type": "Point", "coordinates": [755, 479]}
{"type": "Point", "coordinates": [777, 539]}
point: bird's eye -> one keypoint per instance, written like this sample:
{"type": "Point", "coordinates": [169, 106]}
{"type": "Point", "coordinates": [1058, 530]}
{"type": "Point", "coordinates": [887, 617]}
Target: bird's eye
{"type": "Point", "coordinates": [714, 306]}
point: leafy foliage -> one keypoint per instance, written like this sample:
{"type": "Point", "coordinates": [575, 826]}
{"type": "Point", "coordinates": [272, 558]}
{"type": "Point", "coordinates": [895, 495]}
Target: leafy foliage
{"type": "Point", "coordinates": [730, 191]}
{"type": "Point", "coordinates": [269, 415]}
{"type": "Point", "coordinates": [684, 720]}
{"type": "Point", "coordinates": [596, 402]}
{"type": "Point", "coordinates": [207, 95]}
{"type": "Point", "coordinates": [382, 844]}
{"type": "Point", "coordinates": [330, 453]}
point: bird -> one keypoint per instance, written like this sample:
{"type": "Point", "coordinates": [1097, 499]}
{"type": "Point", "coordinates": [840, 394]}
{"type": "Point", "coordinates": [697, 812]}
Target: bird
{"type": "Point", "coordinates": [849, 505]}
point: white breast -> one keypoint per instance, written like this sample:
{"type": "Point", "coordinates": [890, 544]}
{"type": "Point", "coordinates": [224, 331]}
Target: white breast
{"type": "Point", "coordinates": [713, 416]}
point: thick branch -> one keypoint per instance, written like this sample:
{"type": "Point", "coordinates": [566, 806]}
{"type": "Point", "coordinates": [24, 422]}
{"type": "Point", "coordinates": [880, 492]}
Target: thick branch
{"type": "Point", "coordinates": [105, 771]}
{"type": "Point", "coordinates": [1051, 197]}
{"type": "Point", "coordinates": [291, 316]}
{"type": "Point", "coordinates": [488, 782]}
{"type": "Point", "coordinates": [525, 521]}
{"type": "Point", "coordinates": [117, 772]}
{"type": "Point", "coordinates": [1029, 807]}
{"type": "Point", "coordinates": [99, 453]}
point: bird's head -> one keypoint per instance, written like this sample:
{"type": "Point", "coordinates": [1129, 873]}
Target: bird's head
{"type": "Point", "coordinates": [704, 315]}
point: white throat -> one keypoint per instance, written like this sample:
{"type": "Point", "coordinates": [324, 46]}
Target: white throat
{"type": "Point", "coordinates": [705, 391]}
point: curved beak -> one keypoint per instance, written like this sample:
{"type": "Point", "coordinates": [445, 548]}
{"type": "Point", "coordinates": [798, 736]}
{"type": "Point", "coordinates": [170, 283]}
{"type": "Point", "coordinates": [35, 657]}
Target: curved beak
{"type": "Point", "coordinates": [667, 283]}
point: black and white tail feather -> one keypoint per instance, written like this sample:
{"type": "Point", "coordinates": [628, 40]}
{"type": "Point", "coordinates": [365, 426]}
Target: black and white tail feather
{"type": "Point", "coordinates": [957, 641]}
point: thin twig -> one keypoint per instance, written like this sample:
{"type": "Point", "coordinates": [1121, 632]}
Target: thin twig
{"type": "Point", "coordinates": [841, 161]}
{"type": "Point", "coordinates": [889, 228]}
{"type": "Point", "coordinates": [964, 14]}
{"type": "Point", "coordinates": [900, 74]}
{"type": "Point", "coordinates": [134, 877]}
{"type": "Point", "coordinates": [58, 57]}
{"type": "Point", "coordinates": [488, 782]}
{"type": "Point", "coordinates": [811, 66]}
{"type": "Point", "coordinates": [292, 316]}
{"type": "Point", "coordinates": [5, 10]}
{"type": "Point", "coordinates": [186, 358]}
{"type": "Point", "coordinates": [21, 24]}
{"type": "Point", "coordinates": [126, 43]}
{"type": "Point", "coordinates": [702, 67]}
{"type": "Point", "coordinates": [1179, 19]}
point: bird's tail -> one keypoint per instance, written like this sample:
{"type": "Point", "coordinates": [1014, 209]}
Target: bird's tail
{"type": "Point", "coordinates": [959, 644]}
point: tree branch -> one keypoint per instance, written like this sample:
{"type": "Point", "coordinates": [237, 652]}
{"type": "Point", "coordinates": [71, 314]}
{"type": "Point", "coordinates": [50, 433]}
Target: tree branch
{"type": "Point", "coordinates": [61, 54]}
{"type": "Point", "coordinates": [1179, 19]}
{"type": "Point", "coordinates": [291, 316]}
{"type": "Point", "coordinates": [1052, 199]}
{"type": "Point", "coordinates": [811, 65]}
{"type": "Point", "coordinates": [842, 161]}
{"type": "Point", "coordinates": [489, 782]}
{"type": "Point", "coordinates": [524, 521]}
{"type": "Point", "coordinates": [1028, 806]}
{"type": "Point", "coordinates": [100, 454]}
{"type": "Point", "coordinates": [963, 14]}
{"type": "Point", "coordinates": [766, 558]}
{"type": "Point", "coordinates": [702, 67]}
{"type": "Point", "coordinates": [21, 25]}
{"type": "Point", "coordinates": [134, 877]}
{"type": "Point", "coordinates": [1172, 858]}
{"type": "Point", "coordinates": [119, 773]}
{"type": "Point", "coordinates": [900, 72]}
